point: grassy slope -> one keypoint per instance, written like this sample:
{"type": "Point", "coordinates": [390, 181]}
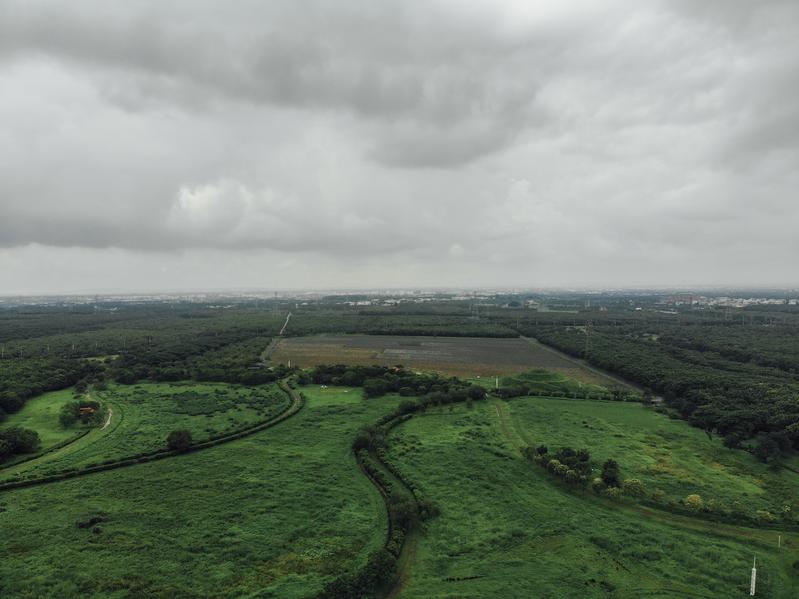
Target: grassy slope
{"type": "Point", "coordinates": [41, 415]}
{"type": "Point", "coordinates": [548, 381]}
{"type": "Point", "coordinates": [663, 453]}
{"type": "Point", "coordinates": [507, 531]}
{"type": "Point", "coordinates": [143, 416]}
{"type": "Point", "coordinates": [270, 515]}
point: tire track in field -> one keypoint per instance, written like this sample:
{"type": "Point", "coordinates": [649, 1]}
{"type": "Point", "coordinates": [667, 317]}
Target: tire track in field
{"type": "Point", "coordinates": [506, 427]}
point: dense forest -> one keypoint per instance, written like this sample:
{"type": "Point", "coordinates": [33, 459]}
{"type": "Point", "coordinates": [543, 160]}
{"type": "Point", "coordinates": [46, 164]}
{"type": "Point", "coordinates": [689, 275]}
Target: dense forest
{"type": "Point", "coordinates": [736, 379]}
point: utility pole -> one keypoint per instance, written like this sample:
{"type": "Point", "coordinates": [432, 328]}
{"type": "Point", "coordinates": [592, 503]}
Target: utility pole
{"type": "Point", "coordinates": [754, 578]}
{"type": "Point", "coordinates": [587, 338]}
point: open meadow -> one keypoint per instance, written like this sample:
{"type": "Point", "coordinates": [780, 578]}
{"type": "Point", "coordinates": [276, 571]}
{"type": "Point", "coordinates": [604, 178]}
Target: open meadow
{"type": "Point", "coordinates": [439, 481]}
{"type": "Point", "coordinates": [506, 530]}
{"type": "Point", "coordinates": [41, 415]}
{"type": "Point", "coordinates": [665, 454]}
{"type": "Point", "coordinates": [143, 415]}
{"type": "Point", "coordinates": [279, 511]}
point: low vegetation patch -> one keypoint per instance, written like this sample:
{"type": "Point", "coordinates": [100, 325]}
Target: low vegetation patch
{"type": "Point", "coordinates": [670, 459]}
{"type": "Point", "coordinates": [144, 415]}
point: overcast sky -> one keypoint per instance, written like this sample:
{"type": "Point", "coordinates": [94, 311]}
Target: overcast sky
{"type": "Point", "coordinates": [302, 144]}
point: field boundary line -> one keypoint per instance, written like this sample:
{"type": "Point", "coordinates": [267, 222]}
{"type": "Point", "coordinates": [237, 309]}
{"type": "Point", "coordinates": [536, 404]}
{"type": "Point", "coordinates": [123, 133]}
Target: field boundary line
{"type": "Point", "coordinates": [294, 406]}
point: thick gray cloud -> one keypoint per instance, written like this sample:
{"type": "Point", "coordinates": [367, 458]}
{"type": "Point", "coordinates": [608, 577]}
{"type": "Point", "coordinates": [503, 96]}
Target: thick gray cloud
{"type": "Point", "coordinates": [302, 144]}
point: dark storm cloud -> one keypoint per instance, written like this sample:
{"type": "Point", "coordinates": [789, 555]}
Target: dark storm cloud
{"type": "Point", "coordinates": [578, 137]}
{"type": "Point", "coordinates": [439, 73]}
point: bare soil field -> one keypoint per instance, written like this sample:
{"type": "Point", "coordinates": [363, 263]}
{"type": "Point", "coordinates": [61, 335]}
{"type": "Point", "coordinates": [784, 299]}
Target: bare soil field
{"type": "Point", "coordinates": [457, 356]}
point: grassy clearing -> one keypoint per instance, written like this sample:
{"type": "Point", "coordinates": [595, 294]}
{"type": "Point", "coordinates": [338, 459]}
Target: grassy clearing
{"type": "Point", "coordinates": [506, 531]}
{"type": "Point", "coordinates": [271, 515]}
{"type": "Point", "coordinates": [548, 381]}
{"type": "Point", "coordinates": [144, 414]}
{"type": "Point", "coordinates": [41, 414]}
{"type": "Point", "coordinates": [665, 454]}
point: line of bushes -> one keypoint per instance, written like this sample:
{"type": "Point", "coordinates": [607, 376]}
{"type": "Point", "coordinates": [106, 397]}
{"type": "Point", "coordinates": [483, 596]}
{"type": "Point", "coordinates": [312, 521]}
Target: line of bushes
{"type": "Point", "coordinates": [377, 381]}
{"type": "Point", "coordinates": [381, 565]}
{"type": "Point", "coordinates": [522, 390]}
{"type": "Point", "coordinates": [405, 504]}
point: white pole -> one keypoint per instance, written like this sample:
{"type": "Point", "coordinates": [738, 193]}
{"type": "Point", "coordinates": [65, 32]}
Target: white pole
{"type": "Point", "coordinates": [754, 578]}
{"type": "Point", "coordinates": [779, 541]}
{"type": "Point", "coordinates": [496, 382]}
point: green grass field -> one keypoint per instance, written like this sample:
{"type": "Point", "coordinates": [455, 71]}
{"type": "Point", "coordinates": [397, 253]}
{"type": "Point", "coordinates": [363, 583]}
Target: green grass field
{"type": "Point", "coordinates": [41, 415]}
{"type": "Point", "coordinates": [665, 454]}
{"type": "Point", "coordinates": [278, 513]}
{"type": "Point", "coordinates": [548, 381]}
{"type": "Point", "coordinates": [270, 515]}
{"type": "Point", "coordinates": [506, 530]}
{"type": "Point", "coordinates": [143, 415]}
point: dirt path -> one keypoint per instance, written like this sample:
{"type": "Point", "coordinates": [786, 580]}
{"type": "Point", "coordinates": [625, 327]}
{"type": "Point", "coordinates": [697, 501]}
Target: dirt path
{"type": "Point", "coordinates": [108, 420]}
{"type": "Point", "coordinates": [506, 424]}
{"type": "Point", "coordinates": [285, 324]}
{"type": "Point", "coordinates": [405, 565]}
{"type": "Point", "coordinates": [266, 355]}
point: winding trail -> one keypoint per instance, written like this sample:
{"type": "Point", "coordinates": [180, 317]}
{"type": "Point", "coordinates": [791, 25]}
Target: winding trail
{"type": "Point", "coordinates": [407, 553]}
{"type": "Point", "coordinates": [108, 420]}
{"type": "Point", "coordinates": [285, 324]}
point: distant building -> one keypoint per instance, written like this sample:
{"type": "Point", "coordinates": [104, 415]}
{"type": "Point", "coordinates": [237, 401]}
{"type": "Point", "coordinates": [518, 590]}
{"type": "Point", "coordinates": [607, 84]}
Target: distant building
{"type": "Point", "coordinates": [683, 300]}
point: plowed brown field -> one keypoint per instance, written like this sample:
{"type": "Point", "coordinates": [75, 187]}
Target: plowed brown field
{"type": "Point", "coordinates": [458, 356]}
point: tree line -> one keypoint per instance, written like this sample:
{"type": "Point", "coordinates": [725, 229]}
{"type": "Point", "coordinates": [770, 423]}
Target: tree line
{"type": "Point", "coordinates": [750, 406]}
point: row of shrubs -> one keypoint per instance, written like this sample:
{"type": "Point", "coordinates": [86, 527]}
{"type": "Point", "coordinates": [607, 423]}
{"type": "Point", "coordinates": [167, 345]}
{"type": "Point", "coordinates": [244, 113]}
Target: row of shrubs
{"type": "Point", "coordinates": [426, 508]}
{"type": "Point", "coordinates": [522, 390]}
{"type": "Point", "coordinates": [574, 466]}
{"type": "Point", "coordinates": [406, 505]}
{"type": "Point", "coordinates": [695, 505]}
{"type": "Point", "coordinates": [377, 381]}
{"type": "Point", "coordinates": [381, 565]}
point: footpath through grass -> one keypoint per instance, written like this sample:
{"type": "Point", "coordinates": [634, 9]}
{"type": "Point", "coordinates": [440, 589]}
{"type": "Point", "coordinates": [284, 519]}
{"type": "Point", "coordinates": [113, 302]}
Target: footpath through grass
{"type": "Point", "coordinates": [271, 515]}
{"type": "Point", "coordinates": [505, 530]}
